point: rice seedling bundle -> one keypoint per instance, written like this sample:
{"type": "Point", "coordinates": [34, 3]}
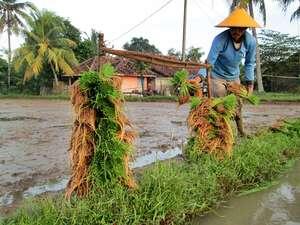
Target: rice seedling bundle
{"type": "Point", "coordinates": [209, 119]}
{"type": "Point", "coordinates": [210, 126]}
{"type": "Point", "coordinates": [102, 137]}
{"type": "Point", "coordinates": [186, 88]}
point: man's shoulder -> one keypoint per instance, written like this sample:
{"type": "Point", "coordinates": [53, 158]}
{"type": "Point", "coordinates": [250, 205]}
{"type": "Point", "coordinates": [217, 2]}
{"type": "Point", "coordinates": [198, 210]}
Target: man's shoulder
{"type": "Point", "coordinates": [249, 39]}
{"type": "Point", "coordinates": [221, 38]}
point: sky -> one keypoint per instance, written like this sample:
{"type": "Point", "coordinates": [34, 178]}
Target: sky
{"type": "Point", "coordinates": [164, 28]}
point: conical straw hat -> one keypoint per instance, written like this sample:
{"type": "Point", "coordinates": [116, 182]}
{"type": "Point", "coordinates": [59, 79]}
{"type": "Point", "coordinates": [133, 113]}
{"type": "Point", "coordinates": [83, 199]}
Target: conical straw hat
{"type": "Point", "coordinates": [238, 18]}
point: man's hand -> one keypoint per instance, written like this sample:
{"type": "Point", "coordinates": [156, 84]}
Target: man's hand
{"type": "Point", "coordinates": [197, 79]}
{"type": "Point", "coordinates": [250, 89]}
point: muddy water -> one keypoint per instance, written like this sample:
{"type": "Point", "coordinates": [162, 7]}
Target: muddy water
{"type": "Point", "coordinates": [279, 205]}
{"type": "Point", "coordinates": [34, 138]}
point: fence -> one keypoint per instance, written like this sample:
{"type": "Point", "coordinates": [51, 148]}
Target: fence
{"type": "Point", "coordinates": [281, 83]}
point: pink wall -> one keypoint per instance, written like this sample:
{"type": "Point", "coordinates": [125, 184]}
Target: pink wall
{"type": "Point", "coordinates": [130, 84]}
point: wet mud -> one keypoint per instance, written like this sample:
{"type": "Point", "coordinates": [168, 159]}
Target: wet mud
{"type": "Point", "coordinates": [35, 134]}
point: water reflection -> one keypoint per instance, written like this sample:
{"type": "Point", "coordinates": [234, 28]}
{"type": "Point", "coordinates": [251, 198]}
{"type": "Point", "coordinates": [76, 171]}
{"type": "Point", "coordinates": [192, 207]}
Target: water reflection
{"type": "Point", "coordinates": [279, 205]}
{"type": "Point", "coordinates": [59, 185]}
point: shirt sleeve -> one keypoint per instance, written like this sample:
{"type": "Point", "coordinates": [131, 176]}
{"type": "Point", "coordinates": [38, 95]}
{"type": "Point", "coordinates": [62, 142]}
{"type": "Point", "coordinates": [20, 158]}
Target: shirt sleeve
{"type": "Point", "coordinates": [216, 47]}
{"type": "Point", "coordinates": [250, 61]}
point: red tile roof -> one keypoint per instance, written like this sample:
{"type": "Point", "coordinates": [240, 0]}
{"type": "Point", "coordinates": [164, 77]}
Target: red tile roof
{"type": "Point", "coordinates": [124, 67]}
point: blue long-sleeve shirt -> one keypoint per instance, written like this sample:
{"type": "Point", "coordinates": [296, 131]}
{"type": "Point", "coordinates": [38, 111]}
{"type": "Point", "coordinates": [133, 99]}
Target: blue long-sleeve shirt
{"type": "Point", "coordinates": [225, 59]}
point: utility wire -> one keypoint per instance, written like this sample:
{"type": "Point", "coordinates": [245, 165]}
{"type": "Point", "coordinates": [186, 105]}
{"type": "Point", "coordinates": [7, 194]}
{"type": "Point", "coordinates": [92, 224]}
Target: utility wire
{"type": "Point", "coordinates": [207, 15]}
{"type": "Point", "coordinates": [143, 21]}
{"type": "Point", "coordinates": [213, 9]}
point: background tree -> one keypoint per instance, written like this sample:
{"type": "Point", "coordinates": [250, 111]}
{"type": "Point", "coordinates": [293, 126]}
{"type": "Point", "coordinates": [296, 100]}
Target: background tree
{"type": "Point", "coordinates": [45, 47]}
{"type": "Point", "coordinates": [3, 70]}
{"type": "Point", "coordinates": [12, 15]}
{"type": "Point", "coordinates": [280, 60]}
{"type": "Point", "coordinates": [192, 54]}
{"type": "Point", "coordinates": [141, 45]}
{"type": "Point", "coordinates": [286, 3]}
{"type": "Point", "coordinates": [262, 10]}
{"type": "Point", "coordinates": [87, 47]}
{"type": "Point", "coordinates": [174, 53]}
{"type": "Point", "coordinates": [279, 53]}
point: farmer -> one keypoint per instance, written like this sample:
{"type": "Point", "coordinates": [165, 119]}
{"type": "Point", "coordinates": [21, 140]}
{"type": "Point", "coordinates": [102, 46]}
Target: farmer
{"type": "Point", "coordinates": [226, 53]}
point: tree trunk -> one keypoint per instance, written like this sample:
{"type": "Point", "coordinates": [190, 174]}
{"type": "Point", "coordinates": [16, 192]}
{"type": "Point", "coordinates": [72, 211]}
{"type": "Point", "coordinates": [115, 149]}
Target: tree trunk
{"type": "Point", "coordinates": [258, 63]}
{"type": "Point", "coordinates": [9, 52]}
{"type": "Point", "coordinates": [55, 75]}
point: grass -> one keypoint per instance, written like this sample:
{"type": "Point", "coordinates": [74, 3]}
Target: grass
{"type": "Point", "coordinates": [265, 97]}
{"type": "Point", "coordinates": [279, 97]}
{"type": "Point", "coordinates": [28, 96]}
{"type": "Point", "coordinates": [154, 98]}
{"type": "Point", "coordinates": [169, 193]}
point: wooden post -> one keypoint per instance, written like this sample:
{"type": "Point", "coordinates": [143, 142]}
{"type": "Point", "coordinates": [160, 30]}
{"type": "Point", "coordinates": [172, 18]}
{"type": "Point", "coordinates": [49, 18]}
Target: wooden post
{"type": "Point", "coordinates": [101, 43]}
{"type": "Point", "coordinates": [184, 31]}
{"type": "Point", "coordinates": [100, 52]}
{"type": "Point", "coordinates": [208, 72]}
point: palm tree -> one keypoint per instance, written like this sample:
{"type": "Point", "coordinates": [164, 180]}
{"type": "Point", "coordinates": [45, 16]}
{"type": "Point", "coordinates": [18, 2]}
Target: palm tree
{"type": "Point", "coordinates": [45, 46]}
{"type": "Point", "coordinates": [262, 10]}
{"type": "Point", "coordinates": [285, 4]}
{"type": "Point", "coordinates": [11, 15]}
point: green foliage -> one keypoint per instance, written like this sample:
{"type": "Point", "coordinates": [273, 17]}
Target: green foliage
{"type": "Point", "coordinates": [279, 53]}
{"type": "Point", "coordinates": [195, 101]}
{"type": "Point", "coordinates": [87, 48]}
{"type": "Point", "coordinates": [170, 192]}
{"type": "Point", "coordinates": [140, 45]}
{"type": "Point", "coordinates": [180, 81]}
{"type": "Point", "coordinates": [192, 54]}
{"type": "Point", "coordinates": [107, 165]}
{"type": "Point", "coordinates": [3, 72]}
{"type": "Point", "coordinates": [45, 47]}
{"type": "Point", "coordinates": [278, 97]}
{"type": "Point", "coordinates": [280, 57]}
{"type": "Point", "coordinates": [229, 102]}
{"type": "Point", "coordinates": [253, 99]}
{"type": "Point", "coordinates": [174, 53]}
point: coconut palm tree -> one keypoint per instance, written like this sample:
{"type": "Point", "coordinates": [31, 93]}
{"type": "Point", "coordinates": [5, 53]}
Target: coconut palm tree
{"type": "Point", "coordinates": [12, 15]}
{"type": "Point", "coordinates": [45, 46]}
{"type": "Point", "coordinates": [262, 10]}
{"type": "Point", "coordinates": [286, 3]}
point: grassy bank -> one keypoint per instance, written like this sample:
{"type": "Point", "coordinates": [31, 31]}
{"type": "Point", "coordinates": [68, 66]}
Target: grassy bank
{"type": "Point", "coordinates": [265, 97]}
{"type": "Point", "coordinates": [171, 192]}
{"type": "Point", "coordinates": [279, 97]}
{"type": "Point", "coordinates": [28, 96]}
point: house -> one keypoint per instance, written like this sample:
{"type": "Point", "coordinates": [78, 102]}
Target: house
{"type": "Point", "coordinates": [154, 79]}
{"type": "Point", "coordinates": [132, 80]}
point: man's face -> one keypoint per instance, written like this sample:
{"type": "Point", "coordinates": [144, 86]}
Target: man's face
{"type": "Point", "coordinates": [237, 32]}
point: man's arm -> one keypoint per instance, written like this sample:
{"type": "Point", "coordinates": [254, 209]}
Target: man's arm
{"type": "Point", "coordinates": [249, 66]}
{"type": "Point", "coordinates": [213, 54]}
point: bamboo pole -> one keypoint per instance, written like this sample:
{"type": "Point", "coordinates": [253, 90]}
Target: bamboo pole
{"type": "Point", "coordinates": [208, 72]}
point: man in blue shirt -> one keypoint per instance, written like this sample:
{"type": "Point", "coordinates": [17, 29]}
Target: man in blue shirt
{"type": "Point", "coordinates": [226, 53]}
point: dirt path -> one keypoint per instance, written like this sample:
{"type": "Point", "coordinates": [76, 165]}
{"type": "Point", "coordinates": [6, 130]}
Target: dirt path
{"type": "Point", "coordinates": [34, 135]}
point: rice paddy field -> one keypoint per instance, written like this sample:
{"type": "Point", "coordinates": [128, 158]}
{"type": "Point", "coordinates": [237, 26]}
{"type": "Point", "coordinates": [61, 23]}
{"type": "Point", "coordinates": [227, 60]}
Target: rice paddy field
{"type": "Point", "coordinates": [35, 135]}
